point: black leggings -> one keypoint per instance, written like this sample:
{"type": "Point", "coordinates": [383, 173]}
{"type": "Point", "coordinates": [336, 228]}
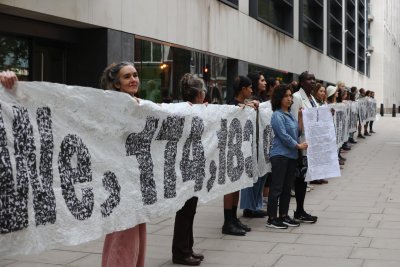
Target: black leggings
{"type": "Point", "coordinates": [300, 186]}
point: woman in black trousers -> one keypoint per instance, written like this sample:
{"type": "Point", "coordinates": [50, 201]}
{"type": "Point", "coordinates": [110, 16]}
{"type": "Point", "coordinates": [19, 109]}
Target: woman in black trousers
{"type": "Point", "coordinates": [193, 91]}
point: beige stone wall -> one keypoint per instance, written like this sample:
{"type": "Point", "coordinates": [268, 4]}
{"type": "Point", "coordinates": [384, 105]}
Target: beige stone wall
{"type": "Point", "coordinates": [206, 25]}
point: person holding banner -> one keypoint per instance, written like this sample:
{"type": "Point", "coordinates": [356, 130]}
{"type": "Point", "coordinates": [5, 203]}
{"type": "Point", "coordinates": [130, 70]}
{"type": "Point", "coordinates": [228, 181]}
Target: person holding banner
{"type": "Point", "coordinates": [232, 225]}
{"type": "Point", "coordinates": [251, 198]}
{"type": "Point", "coordinates": [8, 79]}
{"type": "Point", "coordinates": [319, 94]}
{"type": "Point", "coordinates": [367, 95]}
{"type": "Point", "coordinates": [360, 97]}
{"type": "Point", "coordinates": [372, 95]}
{"type": "Point", "coordinates": [124, 248]}
{"type": "Point", "coordinates": [303, 99]}
{"type": "Point", "coordinates": [283, 156]}
{"type": "Point", "coordinates": [193, 92]}
{"type": "Point", "coordinates": [272, 83]}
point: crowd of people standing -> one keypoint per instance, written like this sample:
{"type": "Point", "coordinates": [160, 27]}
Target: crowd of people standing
{"type": "Point", "coordinates": [288, 157]}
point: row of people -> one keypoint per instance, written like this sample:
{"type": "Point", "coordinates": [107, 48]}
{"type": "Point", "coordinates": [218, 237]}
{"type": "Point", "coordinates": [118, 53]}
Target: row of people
{"type": "Point", "coordinates": [288, 159]}
{"type": "Point", "coordinates": [127, 248]}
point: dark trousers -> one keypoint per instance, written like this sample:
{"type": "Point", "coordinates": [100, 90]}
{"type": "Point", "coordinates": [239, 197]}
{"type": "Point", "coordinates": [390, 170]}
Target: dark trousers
{"type": "Point", "coordinates": [182, 243]}
{"type": "Point", "coordinates": [283, 171]}
{"type": "Point", "coordinates": [300, 186]}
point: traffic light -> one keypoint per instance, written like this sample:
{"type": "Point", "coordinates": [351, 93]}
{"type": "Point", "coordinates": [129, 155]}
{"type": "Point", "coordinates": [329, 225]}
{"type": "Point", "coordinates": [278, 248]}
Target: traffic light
{"type": "Point", "coordinates": [206, 73]}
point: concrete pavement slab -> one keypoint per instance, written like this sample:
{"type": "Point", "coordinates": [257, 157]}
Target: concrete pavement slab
{"type": "Point", "coordinates": [51, 257]}
{"type": "Point", "coordinates": [376, 254]}
{"type": "Point", "coordinates": [385, 233]}
{"type": "Point", "coordinates": [326, 240]}
{"type": "Point", "coordinates": [381, 263]}
{"type": "Point", "coordinates": [235, 245]}
{"type": "Point", "coordinates": [6, 262]}
{"type": "Point", "coordinates": [93, 260]}
{"type": "Point", "coordinates": [312, 250]}
{"type": "Point", "coordinates": [303, 261]}
{"type": "Point", "coordinates": [390, 243]}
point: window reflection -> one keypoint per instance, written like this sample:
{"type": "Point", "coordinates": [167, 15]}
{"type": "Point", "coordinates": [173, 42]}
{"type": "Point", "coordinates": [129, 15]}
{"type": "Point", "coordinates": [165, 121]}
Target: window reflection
{"type": "Point", "coordinates": [14, 55]}
{"type": "Point", "coordinates": [281, 76]}
{"type": "Point", "coordinates": [161, 68]}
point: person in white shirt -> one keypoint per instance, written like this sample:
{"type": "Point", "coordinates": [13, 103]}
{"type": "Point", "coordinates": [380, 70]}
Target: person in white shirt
{"type": "Point", "coordinates": [303, 99]}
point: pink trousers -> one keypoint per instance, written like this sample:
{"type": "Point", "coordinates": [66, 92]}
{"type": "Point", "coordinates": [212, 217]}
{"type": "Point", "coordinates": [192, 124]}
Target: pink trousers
{"type": "Point", "coordinates": [125, 248]}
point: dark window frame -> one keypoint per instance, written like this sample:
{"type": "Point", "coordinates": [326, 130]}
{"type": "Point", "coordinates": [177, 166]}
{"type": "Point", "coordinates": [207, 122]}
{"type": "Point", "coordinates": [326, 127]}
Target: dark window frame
{"type": "Point", "coordinates": [350, 36]}
{"type": "Point", "coordinates": [361, 34]}
{"type": "Point", "coordinates": [231, 3]}
{"type": "Point", "coordinates": [253, 8]}
{"type": "Point", "coordinates": [305, 19]}
{"type": "Point", "coordinates": [335, 30]}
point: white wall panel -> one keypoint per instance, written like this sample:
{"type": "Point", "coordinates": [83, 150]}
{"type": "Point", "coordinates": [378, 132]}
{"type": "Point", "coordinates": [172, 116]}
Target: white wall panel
{"type": "Point", "coordinates": [206, 25]}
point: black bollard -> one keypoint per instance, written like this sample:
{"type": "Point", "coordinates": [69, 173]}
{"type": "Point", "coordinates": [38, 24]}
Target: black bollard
{"type": "Point", "coordinates": [394, 110]}
{"type": "Point", "coordinates": [382, 110]}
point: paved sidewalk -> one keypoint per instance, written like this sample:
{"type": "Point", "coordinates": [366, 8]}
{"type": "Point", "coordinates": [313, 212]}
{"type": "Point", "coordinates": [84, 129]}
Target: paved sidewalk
{"type": "Point", "coordinates": [358, 225]}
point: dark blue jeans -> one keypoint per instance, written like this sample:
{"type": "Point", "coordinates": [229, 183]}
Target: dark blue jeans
{"type": "Point", "coordinates": [283, 173]}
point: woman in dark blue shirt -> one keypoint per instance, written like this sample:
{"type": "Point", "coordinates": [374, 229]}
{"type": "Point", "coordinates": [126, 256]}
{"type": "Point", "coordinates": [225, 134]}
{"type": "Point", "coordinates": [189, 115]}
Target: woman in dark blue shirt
{"type": "Point", "coordinates": [283, 156]}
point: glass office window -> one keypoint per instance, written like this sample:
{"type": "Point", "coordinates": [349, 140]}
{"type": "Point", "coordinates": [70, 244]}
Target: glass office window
{"type": "Point", "coordinates": [350, 33]}
{"type": "Point", "coordinates": [275, 13]}
{"type": "Point", "coordinates": [232, 3]}
{"type": "Point", "coordinates": [161, 67]}
{"type": "Point", "coordinates": [312, 23]}
{"type": "Point", "coordinates": [281, 76]}
{"type": "Point", "coordinates": [361, 37]}
{"type": "Point", "coordinates": [335, 29]}
{"type": "Point", "coordinates": [15, 55]}
{"type": "Point", "coordinates": [153, 62]}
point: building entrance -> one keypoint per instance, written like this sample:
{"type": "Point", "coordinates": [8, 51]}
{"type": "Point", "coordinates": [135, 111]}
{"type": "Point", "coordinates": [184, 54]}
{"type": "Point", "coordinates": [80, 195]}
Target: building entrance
{"type": "Point", "coordinates": [49, 63]}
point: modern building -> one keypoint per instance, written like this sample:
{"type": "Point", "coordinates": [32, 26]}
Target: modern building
{"type": "Point", "coordinates": [72, 41]}
{"type": "Point", "coordinates": [384, 44]}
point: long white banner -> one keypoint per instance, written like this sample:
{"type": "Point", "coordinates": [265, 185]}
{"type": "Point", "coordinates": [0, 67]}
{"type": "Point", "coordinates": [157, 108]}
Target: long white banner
{"type": "Point", "coordinates": [76, 163]}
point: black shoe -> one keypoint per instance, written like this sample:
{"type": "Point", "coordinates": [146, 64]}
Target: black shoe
{"type": "Point", "coordinates": [305, 217]}
{"type": "Point", "coordinates": [198, 256]}
{"type": "Point", "coordinates": [240, 225]}
{"type": "Point", "coordinates": [261, 213]}
{"type": "Point", "coordinates": [289, 221]}
{"type": "Point", "coordinates": [372, 131]}
{"type": "Point", "coordinates": [230, 228]}
{"type": "Point", "coordinates": [276, 223]}
{"type": "Point", "coordinates": [346, 148]}
{"type": "Point", "coordinates": [366, 134]}
{"type": "Point", "coordinates": [254, 213]}
{"type": "Point", "coordinates": [190, 261]}
{"type": "Point", "coordinates": [316, 182]}
{"type": "Point", "coordinates": [352, 141]}
{"type": "Point", "coordinates": [361, 136]}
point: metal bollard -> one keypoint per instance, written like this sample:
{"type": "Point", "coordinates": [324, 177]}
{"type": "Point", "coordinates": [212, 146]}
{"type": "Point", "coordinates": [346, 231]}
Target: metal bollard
{"type": "Point", "coordinates": [394, 110]}
{"type": "Point", "coordinates": [382, 110]}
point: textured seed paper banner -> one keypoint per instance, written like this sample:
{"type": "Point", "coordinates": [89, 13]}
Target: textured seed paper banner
{"type": "Point", "coordinates": [76, 163]}
{"type": "Point", "coordinates": [322, 155]}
